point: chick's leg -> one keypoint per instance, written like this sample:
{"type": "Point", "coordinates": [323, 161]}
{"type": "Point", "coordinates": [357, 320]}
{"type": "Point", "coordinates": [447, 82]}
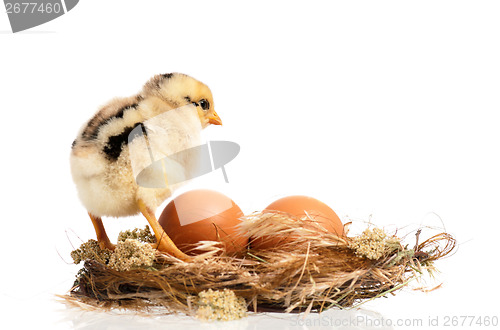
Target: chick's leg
{"type": "Point", "coordinates": [102, 237]}
{"type": "Point", "coordinates": [164, 243]}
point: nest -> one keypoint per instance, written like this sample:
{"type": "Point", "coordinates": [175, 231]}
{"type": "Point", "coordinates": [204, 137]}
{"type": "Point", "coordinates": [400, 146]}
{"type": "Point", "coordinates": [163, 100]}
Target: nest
{"type": "Point", "coordinates": [313, 271]}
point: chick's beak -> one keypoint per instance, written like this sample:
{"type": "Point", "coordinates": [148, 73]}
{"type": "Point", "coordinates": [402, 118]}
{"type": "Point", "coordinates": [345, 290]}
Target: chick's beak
{"type": "Point", "coordinates": [214, 119]}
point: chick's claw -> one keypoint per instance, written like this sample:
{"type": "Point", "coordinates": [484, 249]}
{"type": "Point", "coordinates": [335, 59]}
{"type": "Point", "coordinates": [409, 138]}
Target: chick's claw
{"type": "Point", "coordinates": [102, 237]}
{"type": "Point", "coordinates": [164, 243]}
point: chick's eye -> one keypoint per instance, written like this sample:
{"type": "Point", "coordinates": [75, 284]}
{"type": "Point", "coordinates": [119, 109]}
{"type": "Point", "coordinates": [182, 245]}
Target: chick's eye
{"type": "Point", "coordinates": [204, 104]}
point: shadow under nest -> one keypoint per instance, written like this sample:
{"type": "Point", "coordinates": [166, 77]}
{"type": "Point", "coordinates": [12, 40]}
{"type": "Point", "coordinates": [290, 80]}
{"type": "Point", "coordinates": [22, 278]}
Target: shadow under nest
{"type": "Point", "coordinates": [314, 271]}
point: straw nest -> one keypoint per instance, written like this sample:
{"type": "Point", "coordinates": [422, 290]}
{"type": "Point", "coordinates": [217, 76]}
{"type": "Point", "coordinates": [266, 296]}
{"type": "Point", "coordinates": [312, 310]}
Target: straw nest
{"type": "Point", "coordinates": [314, 271]}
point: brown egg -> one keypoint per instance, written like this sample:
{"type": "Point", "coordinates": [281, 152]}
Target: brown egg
{"type": "Point", "coordinates": [203, 215]}
{"type": "Point", "coordinates": [299, 206]}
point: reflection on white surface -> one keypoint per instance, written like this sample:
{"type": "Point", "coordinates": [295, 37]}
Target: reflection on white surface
{"type": "Point", "coordinates": [331, 319]}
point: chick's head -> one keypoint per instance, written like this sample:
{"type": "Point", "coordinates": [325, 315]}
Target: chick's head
{"type": "Point", "coordinates": [177, 90]}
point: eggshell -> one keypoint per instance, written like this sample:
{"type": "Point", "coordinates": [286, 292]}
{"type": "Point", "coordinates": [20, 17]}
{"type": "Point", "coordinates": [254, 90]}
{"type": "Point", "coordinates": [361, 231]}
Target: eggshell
{"type": "Point", "coordinates": [299, 206]}
{"type": "Point", "coordinates": [203, 215]}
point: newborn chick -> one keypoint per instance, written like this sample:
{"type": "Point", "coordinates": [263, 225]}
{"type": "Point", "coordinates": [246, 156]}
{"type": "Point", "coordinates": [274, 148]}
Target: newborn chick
{"type": "Point", "coordinates": [100, 162]}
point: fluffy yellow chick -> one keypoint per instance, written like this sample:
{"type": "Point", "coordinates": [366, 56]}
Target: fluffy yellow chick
{"type": "Point", "coordinates": [101, 164]}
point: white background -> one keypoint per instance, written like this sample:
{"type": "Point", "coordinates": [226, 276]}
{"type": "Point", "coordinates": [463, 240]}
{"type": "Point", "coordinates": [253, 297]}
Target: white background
{"type": "Point", "coordinates": [384, 110]}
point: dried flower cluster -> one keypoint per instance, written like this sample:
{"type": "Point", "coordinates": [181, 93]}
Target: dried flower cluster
{"type": "Point", "coordinates": [374, 244]}
{"type": "Point", "coordinates": [133, 250]}
{"type": "Point", "coordinates": [142, 235]}
{"type": "Point", "coordinates": [130, 254]}
{"type": "Point", "coordinates": [91, 250]}
{"type": "Point", "coordinates": [220, 305]}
